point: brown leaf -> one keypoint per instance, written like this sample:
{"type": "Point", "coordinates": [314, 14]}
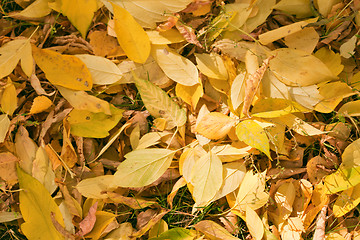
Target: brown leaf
{"type": "Point", "coordinates": [188, 33]}
{"type": "Point", "coordinates": [87, 224]}
{"type": "Point", "coordinates": [153, 220]}
{"type": "Point", "coordinates": [8, 168]}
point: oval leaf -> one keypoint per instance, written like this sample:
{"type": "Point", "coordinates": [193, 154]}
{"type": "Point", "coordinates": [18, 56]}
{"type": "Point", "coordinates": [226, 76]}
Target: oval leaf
{"type": "Point", "coordinates": [64, 70]}
{"type": "Point", "coordinates": [131, 36]}
{"type": "Point", "coordinates": [159, 104]}
{"type": "Point", "coordinates": [215, 125]}
{"type": "Point", "coordinates": [213, 230]}
{"type": "Point", "coordinates": [142, 167]}
{"type": "Point", "coordinates": [253, 135]}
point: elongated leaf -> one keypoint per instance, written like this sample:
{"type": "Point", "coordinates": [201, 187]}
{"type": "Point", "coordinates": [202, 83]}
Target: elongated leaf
{"type": "Point", "coordinates": [38, 9]}
{"type": "Point", "coordinates": [80, 13]}
{"type": "Point", "coordinates": [275, 107]}
{"type": "Point", "coordinates": [142, 167]}
{"type": "Point", "coordinates": [350, 108]}
{"type": "Point", "coordinates": [36, 206]}
{"type": "Point", "coordinates": [254, 224]}
{"type": "Point", "coordinates": [347, 201]}
{"type": "Point", "coordinates": [11, 53]}
{"type": "Point", "coordinates": [159, 104]}
{"type": "Point", "coordinates": [207, 178]}
{"type": "Point", "coordinates": [299, 69]}
{"type": "Point", "coordinates": [64, 70]}
{"type": "Point", "coordinates": [95, 187]}
{"type": "Point", "coordinates": [102, 70]}
{"type": "Point", "coordinates": [253, 135]}
{"type": "Point", "coordinates": [211, 65]}
{"type": "Point", "coordinates": [176, 234]}
{"type": "Point", "coordinates": [342, 179]}
{"type": "Point", "coordinates": [4, 126]}
{"type": "Point", "coordinates": [9, 98]}
{"type": "Point", "coordinates": [131, 36]}
{"type": "Point", "coordinates": [175, 66]}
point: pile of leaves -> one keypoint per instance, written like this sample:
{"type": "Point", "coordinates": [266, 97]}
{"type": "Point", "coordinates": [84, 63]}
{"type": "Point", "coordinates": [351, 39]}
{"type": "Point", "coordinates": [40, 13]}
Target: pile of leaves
{"type": "Point", "coordinates": [179, 119]}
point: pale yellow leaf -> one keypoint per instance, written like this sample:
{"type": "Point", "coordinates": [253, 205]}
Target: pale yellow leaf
{"type": "Point", "coordinates": [284, 199]}
{"type": "Point", "coordinates": [242, 10]}
{"type": "Point", "coordinates": [42, 170]}
{"type": "Point", "coordinates": [95, 187]}
{"type": "Point", "coordinates": [215, 125]}
{"type": "Point", "coordinates": [142, 167]}
{"type": "Point", "coordinates": [306, 96]}
{"type": "Point", "coordinates": [300, 8]}
{"type": "Point", "coordinates": [190, 94]}
{"type": "Point", "coordinates": [149, 139]}
{"type": "Point", "coordinates": [4, 126]}
{"type": "Point", "coordinates": [262, 9]}
{"type": "Point", "coordinates": [347, 49]}
{"type": "Point", "coordinates": [237, 93]}
{"type": "Point", "coordinates": [284, 31]}
{"type": "Point", "coordinates": [300, 126]}
{"type": "Point", "coordinates": [305, 40]}
{"type": "Point", "coordinates": [64, 70]}
{"type": "Point", "coordinates": [25, 149]}
{"type": "Point", "coordinates": [253, 135]}
{"type": "Point", "coordinates": [325, 6]}
{"type": "Point", "coordinates": [275, 107]}
{"type": "Point", "coordinates": [40, 104]}
{"type": "Point", "coordinates": [233, 174]}
{"type": "Point", "coordinates": [38, 9]}
{"type": "Point", "coordinates": [211, 65]}
{"type": "Point", "coordinates": [254, 224]}
{"type": "Point", "coordinates": [350, 108]}
{"type": "Point", "coordinates": [299, 69]}
{"type": "Point", "coordinates": [202, 112]}
{"type": "Point", "coordinates": [167, 37]}
{"type": "Point", "coordinates": [36, 206]}
{"type": "Point", "coordinates": [347, 201]}
{"type": "Point", "coordinates": [102, 70]}
{"type": "Point", "coordinates": [334, 236]}
{"type": "Point", "coordinates": [229, 153]}
{"type": "Point", "coordinates": [9, 216]}
{"type": "Point", "coordinates": [9, 98]}
{"type": "Point", "coordinates": [80, 100]}
{"type": "Point", "coordinates": [123, 232]}
{"type": "Point", "coordinates": [188, 160]}
{"type": "Point", "coordinates": [207, 178]}
{"type": "Point", "coordinates": [213, 230]}
{"type": "Point", "coordinates": [332, 60]}
{"type": "Point", "coordinates": [131, 36]}
{"type": "Point", "coordinates": [148, 13]}
{"type": "Point", "coordinates": [272, 88]}
{"type": "Point", "coordinates": [159, 104]}
{"type": "Point", "coordinates": [175, 66]}
{"type": "Point", "coordinates": [11, 53]}
{"type": "Point", "coordinates": [80, 13]}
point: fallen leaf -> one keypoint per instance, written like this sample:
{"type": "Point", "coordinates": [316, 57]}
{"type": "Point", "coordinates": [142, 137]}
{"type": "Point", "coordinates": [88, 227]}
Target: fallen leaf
{"type": "Point", "coordinates": [347, 49]}
{"type": "Point", "coordinates": [87, 224]}
{"type": "Point", "coordinates": [37, 9]}
{"type": "Point", "coordinates": [175, 66]}
{"type": "Point", "coordinates": [42, 170]}
{"type": "Point", "coordinates": [176, 234]}
{"type": "Point", "coordinates": [166, 37]}
{"type": "Point", "coordinates": [350, 109]}
{"type": "Point", "coordinates": [305, 40]}
{"type": "Point", "coordinates": [9, 98]}
{"type": "Point", "coordinates": [8, 168]}
{"type": "Point", "coordinates": [300, 8]}
{"type": "Point", "coordinates": [213, 230]}
{"type": "Point", "coordinates": [4, 126]}
{"type": "Point", "coordinates": [332, 60]}
{"type": "Point", "coordinates": [95, 187]}
{"type": "Point", "coordinates": [133, 202]}
{"type": "Point", "coordinates": [131, 36]}
{"type": "Point", "coordinates": [211, 65]}
{"type": "Point", "coordinates": [142, 167]}
{"type": "Point", "coordinates": [36, 206]}
{"type": "Point", "coordinates": [190, 94]}
{"type": "Point", "coordinates": [103, 220]}
{"type": "Point", "coordinates": [80, 13]}
{"type": "Point", "coordinates": [347, 201]}
{"type": "Point", "coordinates": [25, 149]}
{"type": "Point", "coordinates": [63, 70]}
{"type": "Point", "coordinates": [215, 125]}
{"type": "Point", "coordinates": [40, 104]}
{"type": "Point", "coordinates": [254, 224]}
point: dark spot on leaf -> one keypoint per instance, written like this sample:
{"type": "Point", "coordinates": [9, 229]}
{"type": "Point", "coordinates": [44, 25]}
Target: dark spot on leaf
{"type": "Point", "coordinates": [87, 118]}
{"type": "Point", "coordinates": [86, 83]}
{"type": "Point", "coordinates": [79, 79]}
{"type": "Point", "coordinates": [161, 112]}
{"type": "Point", "coordinates": [98, 105]}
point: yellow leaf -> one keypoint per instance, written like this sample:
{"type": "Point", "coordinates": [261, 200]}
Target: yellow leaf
{"type": "Point", "coordinates": [215, 125]}
{"type": "Point", "coordinates": [158, 228]}
{"type": "Point", "coordinates": [95, 187]}
{"type": "Point", "coordinates": [167, 37]}
{"type": "Point", "coordinates": [9, 98]}
{"type": "Point", "coordinates": [159, 104]}
{"type": "Point", "coordinates": [42, 170]}
{"type": "Point", "coordinates": [305, 40]}
{"type": "Point", "coordinates": [190, 94]}
{"type": "Point", "coordinates": [131, 36]}
{"type": "Point", "coordinates": [4, 126]}
{"type": "Point", "coordinates": [37, 205]}
{"type": "Point", "coordinates": [142, 167]}
{"type": "Point", "coordinates": [175, 66]}
{"type": "Point", "coordinates": [211, 65]}
{"type": "Point", "coordinates": [237, 93]}
{"type": "Point", "coordinates": [262, 9]}
{"type": "Point", "coordinates": [324, 6]}
{"type": "Point", "coordinates": [80, 13]}
{"type": "Point", "coordinates": [300, 8]}
{"type": "Point", "coordinates": [25, 149]}
{"type": "Point", "coordinates": [299, 69]}
{"type": "Point", "coordinates": [342, 179]}
{"type": "Point", "coordinates": [213, 230]}
{"type": "Point", "coordinates": [243, 10]}
{"type": "Point", "coordinates": [275, 107]}
{"type": "Point", "coordinates": [347, 49]}
{"type": "Point", "coordinates": [187, 161]}
{"type": "Point", "coordinates": [93, 125]}
{"type": "Point", "coordinates": [284, 31]}
{"type": "Point", "coordinates": [350, 108]}
{"type": "Point", "coordinates": [102, 70]}
{"type": "Point", "coordinates": [254, 224]}
{"type": "Point", "coordinates": [103, 219]}
{"type": "Point", "coordinates": [253, 135]}
{"type": "Point", "coordinates": [64, 70]}
{"type": "Point", "coordinates": [300, 126]}
{"type": "Point", "coordinates": [80, 100]}
{"type": "Point", "coordinates": [123, 232]}
{"type": "Point", "coordinates": [207, 178]}
{"type": "Point", "coordinates": [332, 60]}
{"type": "Point", "coordinates": [219, 24]}
{"type": "Point", "coordinates": [347, 201]}
{"type": "Point", "coordinates": [40, 104]}
{"type": "Point", "coordinates": [38, 9]}
{"type": "Point", "coordinates": [229, 153]}
{"type": "Point", "coordinates": [11, 53]}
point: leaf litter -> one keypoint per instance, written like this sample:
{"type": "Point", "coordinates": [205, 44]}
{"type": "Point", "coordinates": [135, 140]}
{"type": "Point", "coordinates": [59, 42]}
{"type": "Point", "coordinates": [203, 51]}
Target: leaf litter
{"type": "Point", "coordinates": [215, 120]}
